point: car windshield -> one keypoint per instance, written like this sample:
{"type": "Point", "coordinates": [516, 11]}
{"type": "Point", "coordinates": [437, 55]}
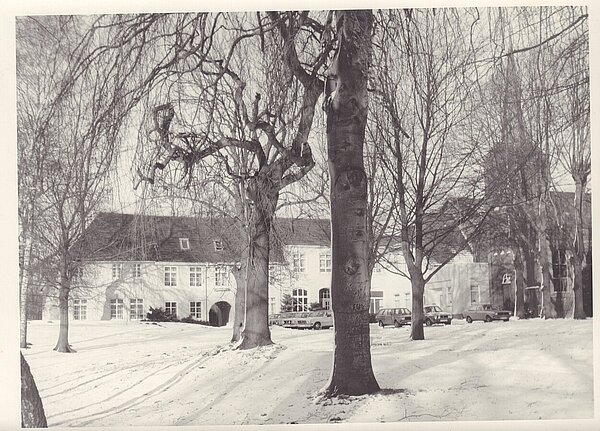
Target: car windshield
{"type": "Point", "coordinates": [487, 307]}
{"type": "Point", "coordinates": [432, 309]}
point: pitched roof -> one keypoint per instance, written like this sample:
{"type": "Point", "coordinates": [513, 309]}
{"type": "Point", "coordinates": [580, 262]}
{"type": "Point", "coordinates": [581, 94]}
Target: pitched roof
{"type": "Point", "coordinates": [115, 236]}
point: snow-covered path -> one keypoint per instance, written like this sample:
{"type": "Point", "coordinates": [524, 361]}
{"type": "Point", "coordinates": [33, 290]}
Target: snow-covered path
{"type": "Point", "coordinates": [178, 374]}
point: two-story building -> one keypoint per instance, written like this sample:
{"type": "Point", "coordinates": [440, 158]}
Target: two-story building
{"type": "Point", "coordinates": [183, 265]}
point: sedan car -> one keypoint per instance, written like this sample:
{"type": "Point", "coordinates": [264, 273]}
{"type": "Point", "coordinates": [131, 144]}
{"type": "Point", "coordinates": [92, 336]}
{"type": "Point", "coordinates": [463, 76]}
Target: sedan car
{"type": "Point", "coordinates": [433, 314]}
{"type": "Point", "coordinates": [486, 313]}
{"type": "Point", "coordinates": [393, 316]}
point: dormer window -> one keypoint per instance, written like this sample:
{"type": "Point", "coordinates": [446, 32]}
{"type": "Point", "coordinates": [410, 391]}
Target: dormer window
{"type": "Point", "coordinates": [218, 245]}
{"type": "Point", "coordinates": [184, 243]}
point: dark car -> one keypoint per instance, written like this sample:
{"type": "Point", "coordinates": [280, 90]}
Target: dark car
{"type": "Point", "coordinates": [433, 314]}
{"type": "Point", "coordinates": [393, 316]}
{"type": "Point", "coordinates": [486, 313]}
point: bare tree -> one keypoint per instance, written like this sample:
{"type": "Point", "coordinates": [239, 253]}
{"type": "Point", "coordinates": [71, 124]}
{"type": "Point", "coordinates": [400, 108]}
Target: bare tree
{"type": "Point", "coordinates": [423, 81]}
{"type": "Point", "coordinates": [78, 131]}
{"type": "Point", "coordinates": [347, 107]}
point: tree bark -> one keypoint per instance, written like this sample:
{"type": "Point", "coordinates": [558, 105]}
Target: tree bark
{"type": "Point", "coordinates": [62, 344]}
{"type": "Point", "coordinates": [32, 409]}
{"type": "Point", "coordinates": [346, 105]}
{"type": "Point", "coordinates": [256, 327]}
{"type": "Point", "coordinates": [578, 265]}
{"type": "Point", "coordinates": [418, 289]}
{"type": "Point", "coordinates": [545, 261]}
{"type": "Point", "coordinates": [240, 299]}
{"type": "Point", "coordinates": [519, 284]}
{"type": "Point", "coordinates": [24, 290]}
{"type": "Point", "coordinates": [578, 259]}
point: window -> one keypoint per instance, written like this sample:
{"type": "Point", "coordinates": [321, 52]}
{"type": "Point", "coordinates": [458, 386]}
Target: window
{"type": "Point", "coordinates": [136, 270]}
{"type": "Point", "coordinates": [170, 276]}
{"type": "Point", "coordinates": [171, 308]}
{"type": "Point", "coordinates": [80, 309]}
{"type": "Point", "coordinates": [298, 262]}
{"type": "Point", "coordinates": [218, 245]}
{"type": "Point", "coordinates": [184, 243]}
{"type": "Point", "coordinates": [195, 276]}
{"type": "Point", "coordinates": [221, 276]}
{"type": "Point", "coordinates": [116, 309]}
{"type": "Point", "coordinates": [325, 262]}
{"type": "Point", "coordinates": [136, 309]}
{"type": "Point", "coordinates": [559, 270]}
{"type": "Point", "coordinates": [325, 298]}
{"type": "Point", "coordinates": [272, 304]}
{"type": "Point", "coordinates": [196, 309]}
{"type": "Point", "coordinates": [475, 293]}
{"type": "Point", "coordinates": [300, 297]}
{"type": "Point", "coordinates": [375, 303]}
{"type": "Point", "coordinates": [407, 300]}
{"type": "Point", "coordinates": [116, 270]}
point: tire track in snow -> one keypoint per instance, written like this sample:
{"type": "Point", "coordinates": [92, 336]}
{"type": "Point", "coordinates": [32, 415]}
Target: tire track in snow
{"type": "Point", "coordinates": [174, 379]}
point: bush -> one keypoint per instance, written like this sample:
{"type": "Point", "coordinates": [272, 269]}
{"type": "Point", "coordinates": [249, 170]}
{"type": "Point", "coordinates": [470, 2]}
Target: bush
{"type": "Point", "coordinates": [159, 315]}
{"type": "Point", "coordinates": [190, 319]}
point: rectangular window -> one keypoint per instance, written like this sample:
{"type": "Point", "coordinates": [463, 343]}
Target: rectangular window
{"type": "Point", "coordinates": [195, 276]}
{"type": "Point", "coordinates": [407, 303]}
{"type": "Point", "coordinates": [116, 309]}
{"type": "Point", "coordinates": [171, 308]}
{"type": "Point", "coordinates": [136, 270]}
{"type": "Point", "coordinates": [298, 262]}
{"type": "Point", "coordinates": [136, 309]}
{"type": "Point", "coordinates": [221, 276]}
{"type": "Point", "coordinates": [80, 309]}
{"type": "Point", "coordinates": [559, 270]}
{"type": "Point", "coordinates": [184, 243]}
{"type": "Point", "coordinates": [475, 294]}
{"type": "Point", "coordinates": [196, 309]}
{"type": "Point", "coordinates": [325, 262]}
{"type": "Point", "coordinates": [170, 276]}
{"type": "Point", "coordinates": [116, 270]}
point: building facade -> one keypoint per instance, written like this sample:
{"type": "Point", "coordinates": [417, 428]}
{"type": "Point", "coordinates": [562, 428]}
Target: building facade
{"type": "Point", "coordinates": [184, 266]}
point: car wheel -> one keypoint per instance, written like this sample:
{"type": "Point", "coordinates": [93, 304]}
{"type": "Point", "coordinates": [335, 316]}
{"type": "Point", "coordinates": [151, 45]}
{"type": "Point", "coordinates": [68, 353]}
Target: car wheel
{"type": "Point", "coordinates": [381, 324]}
{"type": "Point", "coordinates": [317, 325]}
{"type": "Point", "coordinates": [428, 322]}
{"type": "Point", "coordinates": [469, 320]}
{"type": "Point", "coordinates": [397, 324]}
{"type": "Point", "coordinates": [488, 318]}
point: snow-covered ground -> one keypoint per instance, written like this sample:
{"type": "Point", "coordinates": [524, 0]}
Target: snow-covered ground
{"type": "Point", "coordinates": [181, 374]}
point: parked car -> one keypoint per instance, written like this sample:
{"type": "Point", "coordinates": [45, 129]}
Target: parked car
{"type": "Point", "coordinates": [393, 316]}
{"type": "Point", "coordinates": [276, 319]}
{"type": "Point", "coordinates": [309, 319]}
{"type": "Point", "coordinates": [433, 314]}
{"type": "Point", "coordinates": [486, 313]}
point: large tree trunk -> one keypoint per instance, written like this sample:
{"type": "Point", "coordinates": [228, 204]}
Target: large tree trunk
{"type": "Point", "coordinates": [256, 327]}
{"type": "Point", "coordinates": [519, 284]}
{"type": "Point", "coordinates": [62, 344]}
{"type": "Point", "coordinates": [418, 289]}
{"type": "Point", "coordinates": [352, 372]}
{"type": "Point", "coordinates": [32, 409]}
{"type": "Point", "coordinates": [239, 274]}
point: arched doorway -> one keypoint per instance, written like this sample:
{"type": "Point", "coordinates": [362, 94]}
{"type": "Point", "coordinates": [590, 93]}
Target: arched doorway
{"type": "Point", "coordinates": [218, 315]}
{"type": "Point", "coordinates": [325, 298]}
